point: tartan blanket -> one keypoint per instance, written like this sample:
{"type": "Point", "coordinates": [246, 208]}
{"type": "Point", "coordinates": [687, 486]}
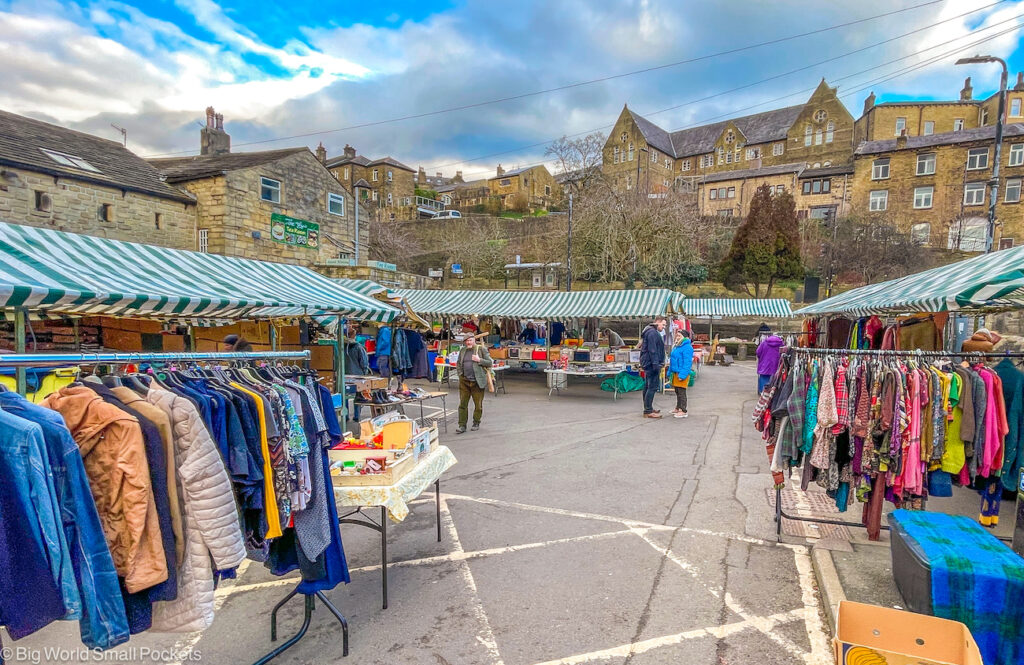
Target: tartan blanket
{"type": "Point", "coordinates": [976, 580]}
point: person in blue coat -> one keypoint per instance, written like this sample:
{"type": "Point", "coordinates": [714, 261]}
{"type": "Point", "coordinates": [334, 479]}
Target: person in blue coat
{"type": "Point", "coordinates": [680, 364]}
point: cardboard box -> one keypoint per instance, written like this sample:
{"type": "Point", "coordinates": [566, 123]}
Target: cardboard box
{"type": "Point", "coordinates": [500, 353]}
{"type": "Point", "coordinates": [867, 634]}
{"type": "Point", "coordinates": [554, 353]}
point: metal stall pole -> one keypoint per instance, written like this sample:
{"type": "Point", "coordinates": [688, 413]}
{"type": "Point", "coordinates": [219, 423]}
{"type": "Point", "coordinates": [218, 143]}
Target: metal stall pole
{"type": "Point", "coordinates": [273, 335]}
{"type": "Point", "coordinates": [341, 373]}
{"type": "Point", "coordinates": [20, 320]}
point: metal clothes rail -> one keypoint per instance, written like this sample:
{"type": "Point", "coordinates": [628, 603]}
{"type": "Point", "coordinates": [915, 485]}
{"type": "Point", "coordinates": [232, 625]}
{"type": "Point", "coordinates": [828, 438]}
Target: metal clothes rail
{"type": "Point", "coordinates": [780, 514]}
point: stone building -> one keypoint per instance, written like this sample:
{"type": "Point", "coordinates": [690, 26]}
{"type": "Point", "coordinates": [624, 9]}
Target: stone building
{"type": "Point", "coordinates": [424, 181]}
{"type": "Point", "coordinates": [935, 186]}
{"type": "Point", "coordinates": [467, 196]}
{"type": "Point", "coordinates": [819, 193]}
{"type": "Point", "coordinates": [390, 194]}
{"type": "Point", "coordinates": [642, 156]}
{"type": "Point", "coordinates": [888, 120]}
{"type": "Point", "coordinates": [533, 186]}
{"type": "Point", "coordinates": [57, 178]}
{"type": "Point", "coordinates": [273, 205]}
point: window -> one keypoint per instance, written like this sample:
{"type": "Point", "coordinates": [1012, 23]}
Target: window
{"type": "Point", "coordinates": [732, 193]}
{"type": "Point", "coordinates": [204, 240]}
{"type": "Point", "coordinates": [631, 151]}
{"type": "Point", "coordinates": [713, 194]}
{"type": "Point", "coordinates": [1013, 190]}
{"type": "Point", "coordinates": [807, 135]}
{"type": "Point", "coordinates": [753, 153]}
{"type": "Point", "coordinates": [822, 212]}
{"type": "Point", "coordinates": [880, 169]}
{"type": "Point", "coordinates": [901, 125]}
{"type": "Point", "coordinates": [391, 175]}
{"type": "Point", "coordinates": [622, 137]}
{"type": "Point", "coordinates": [1005, 243]}
{"type": "Point", "coordinates": [968, 234]}
{"type": "Point", "coordinates": [390, 200]}
{"type": "Point", "coordinates": [526, 181]}
{"type": "Point", "coordinates": [1015, 107]}
{"type": "Point", "coordinates": [817, 137]}
{"type": "Point", "coordinates": [778, 148]}
{"type": "Point", "coordinates": [157, 219]}
{"type": "Point", "coordinates": [779, 189]}
{"type": "Point", "coordinates": [830, 132]}
{"type": "Point", "coordinates": [958, 124]}
{"type": "Point", "coordinates": [725, 213]}
{"type": "Point", "coordinates": [707, 161]}
{"type": "Point", "coordinates": [921, 233]}
{"type": "Point", "coordinates": [505, 182]}
{"type": "Point", "coordinates": [729, 138]}
{"type": "Point", "coordinates": [728, 157]}
{"type": "Point", "coordinates": [879, 200]}
{"type": "Point", "coordinates": [106, 212]}
{"type": "Point", "coordinates": [615, 152]}
{"type": "Point", "coordinates": [722, 192]}
{"type": "Point", "coordinates": [926, 163]}
{"type": "Point", "coordinates": [668, 163]}
{"type": "Point", "coordinates": [977, 158]}
{"type": "Point", "coordinates": [336, 204]}
{"type": "Point", "coordinates": [64, 159]}
{"type": "Point", "coordinates": [345, 172]}
{"type": "Point", "coordinates": [1016, 154]}
{"type": "Point", "coordinates": [686, 162]}
{"type": "Point", "coordinates": [820, 115]}
{"type": "Point", "coordinates": [721, 156]}
{"type": "Point", "coordinates": [270, 190]}
{"type": "Point", "coordinates": [547, 190]}
{"type": "Point", "coordinates": [654, 156]}
{"type": "Point", "coordinates": [42, 201]}
{"type": "Point", "coordinates": [376, 175]}
{"type": "Point", "coordinates": [373, 195]}
{"type": "Point", "coordinates": [984, 117]}
{"type": "Point", "coordinates": [923, 197]}
{"type": "Point", "coordinates": [818, 186]}
{"type": "Point", "coordinates": [974, 194]}
{"type": "Point", "coordinates": [929, 127]}
{"type": "Point", "coordinates": [629, 182]}
{"type": "Point", "coordinates": [408, 201]}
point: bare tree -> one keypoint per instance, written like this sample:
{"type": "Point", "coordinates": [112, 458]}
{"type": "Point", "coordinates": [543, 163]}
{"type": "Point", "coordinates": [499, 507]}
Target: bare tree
{"type": "Point", "coordinates": [578, 161]}
{"type": "Point", "coordinates": [872, 248]}
{"type": "Point", "coordinates": [392, 242]}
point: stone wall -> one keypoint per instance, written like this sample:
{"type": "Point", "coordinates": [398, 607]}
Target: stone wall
{"type": "Point", "coordinates": [75, 206]}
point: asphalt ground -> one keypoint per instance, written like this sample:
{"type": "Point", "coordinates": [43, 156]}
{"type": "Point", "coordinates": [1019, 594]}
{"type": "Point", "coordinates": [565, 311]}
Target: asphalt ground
{"type": "Point", "coordinates": [574, 531]}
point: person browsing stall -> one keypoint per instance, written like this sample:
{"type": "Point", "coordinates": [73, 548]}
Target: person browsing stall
{"type": "Point", "coordinates": [680, 364]}
{"type": "Point", "coordinates": [529, 334]}
{"type": "Point", "coordinates": [769, 352]}
{"type": "Point", "coordinates": [473, 364]}
{"type": "Point", "coordinates": [652, 359]}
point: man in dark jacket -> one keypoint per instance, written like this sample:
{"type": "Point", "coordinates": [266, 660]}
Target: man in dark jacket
{"type": "Point", "coordinates": [652, 358]}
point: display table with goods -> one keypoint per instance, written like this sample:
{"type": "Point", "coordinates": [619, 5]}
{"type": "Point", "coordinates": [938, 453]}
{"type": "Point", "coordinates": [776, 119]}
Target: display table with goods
{"type": "Point", "coordinates": [391, 463]}
{"type": "Point", "coordinates": [447, 370]}
{"type": "Point", "coordinates": [558, 376]}
{"type": "Point", "coordinates": [381, 401]}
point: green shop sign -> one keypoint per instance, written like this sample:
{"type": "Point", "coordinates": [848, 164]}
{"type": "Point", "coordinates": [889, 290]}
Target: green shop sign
{"type": "Point", "coordinates": [291, 231]}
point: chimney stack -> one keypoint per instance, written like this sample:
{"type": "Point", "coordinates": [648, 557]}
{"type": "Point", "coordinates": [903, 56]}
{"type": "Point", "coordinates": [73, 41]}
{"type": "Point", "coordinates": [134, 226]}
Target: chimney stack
{"type": "Point", "coordinates": [350, 152]}
{"type": "Point", "coordinates": [321, 153]}
{"type": "Point", "coordinates": [1020, 82]}
{"type": "Point", "coordinates": [901, 140]}
{"type": "Point", "coordinates": [421, 176]}
{"type": "Point", "coordinates": [501, 171]}
{"type": "Point", "coordinates": [458, 177]}
{"type": "Point", "coordinates": [213, 140]}
{"type": "Point", "coordinates": [967, 93]}
{"type": "Point", "coordinates": [869, 102]}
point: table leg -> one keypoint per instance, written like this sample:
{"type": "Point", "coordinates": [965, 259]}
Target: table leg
{"type": "Point", "coordinates": [384, 553]}
{"type": "Point", "coordinates": [423, 419]}
{"type": "Point", "coordinates": [437, 502]}
{"type": "Point", "coordinates": [444, 410]}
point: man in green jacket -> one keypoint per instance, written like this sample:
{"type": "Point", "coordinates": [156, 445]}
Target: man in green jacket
{"type": "Point", "coordinates": [473, 364]}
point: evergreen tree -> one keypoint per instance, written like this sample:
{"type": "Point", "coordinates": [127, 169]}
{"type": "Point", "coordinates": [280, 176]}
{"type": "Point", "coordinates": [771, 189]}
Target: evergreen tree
{"type": "Point", "coordinates": [766, 247]}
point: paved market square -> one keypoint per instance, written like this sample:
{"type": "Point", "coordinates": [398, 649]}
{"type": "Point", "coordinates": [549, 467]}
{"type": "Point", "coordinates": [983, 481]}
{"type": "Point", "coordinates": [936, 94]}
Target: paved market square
{"type": "Point", "coordinates": [574, 531]}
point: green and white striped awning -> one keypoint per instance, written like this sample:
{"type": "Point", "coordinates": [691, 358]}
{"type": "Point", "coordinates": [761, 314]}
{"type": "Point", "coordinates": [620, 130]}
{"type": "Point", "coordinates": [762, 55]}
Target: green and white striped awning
{"type": "Point", "coordinates": [989, 282]}
{"type": "Point", "coordinates": [544, 305]}
{"type": "Point", "coordinates": [367, 287]}
{"type": "Point", "coordinates": [726, 307]}
{"type": "Point", "coordinates": [54, 271]}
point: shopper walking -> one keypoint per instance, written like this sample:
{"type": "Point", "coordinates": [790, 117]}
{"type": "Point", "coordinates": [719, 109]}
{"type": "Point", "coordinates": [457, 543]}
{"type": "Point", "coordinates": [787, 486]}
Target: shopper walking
{"type": "Point", "coordinates": [473, 364]}
{"type": "Point", "coordinates": [769, 352]}
{"type": "Point", "coordinates": [652, 359]}
{"type": "Point", "coordinates": [680, 364]}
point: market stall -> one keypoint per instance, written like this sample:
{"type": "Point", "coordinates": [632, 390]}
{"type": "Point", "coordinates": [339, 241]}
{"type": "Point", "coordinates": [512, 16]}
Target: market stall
{"type": "Point", "coordinates": [51, 273]}
{"type": "Point", "coordinates": [714, 309]}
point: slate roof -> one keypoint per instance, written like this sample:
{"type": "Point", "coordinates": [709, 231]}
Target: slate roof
{"type": "Point", "coordinates": [937, 102]}
{"type": "Point", "coordinates": [391, 161]}
{"type": "Point", "coordinates": [181, 169]}
{"type": "Point", "coordinates": [515, 172]}
{"type": "Point", "coordinates": [358, 160]}
{"type": "Point", "coordinates": [946, 138]}
{"type": "Point", "coordinates": [756, 128]}
{"type": "Point", "coordinates": [840, 169]}
{"type": "Point", "coordinates": [22, 141]}
{"type": "Point", "coordinates": [741, 174]}
{"type": "Point", "coordinates": [362, 183]}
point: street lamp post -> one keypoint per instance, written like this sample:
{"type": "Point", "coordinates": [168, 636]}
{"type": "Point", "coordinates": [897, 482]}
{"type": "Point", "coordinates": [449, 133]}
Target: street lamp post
{"type": "Point", "coordinates": [994, 182]}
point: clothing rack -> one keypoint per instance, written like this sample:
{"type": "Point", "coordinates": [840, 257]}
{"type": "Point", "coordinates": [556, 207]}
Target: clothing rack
{"type": "Point", "coordinates": [58, 359]}
{"type": "Point", "coordinates": [780, 514]}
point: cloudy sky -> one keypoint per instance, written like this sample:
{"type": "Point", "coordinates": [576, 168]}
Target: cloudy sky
{"type": "Point", "coordinates": [301, 72]}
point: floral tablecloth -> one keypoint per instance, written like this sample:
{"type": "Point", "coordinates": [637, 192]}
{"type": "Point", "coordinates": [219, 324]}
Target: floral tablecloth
{"type": "Point", "coordinates": [397, 497]}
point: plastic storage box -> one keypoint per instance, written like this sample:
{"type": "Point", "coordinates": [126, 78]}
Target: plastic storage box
{"type": "Point", "coordinates": [911, 571]}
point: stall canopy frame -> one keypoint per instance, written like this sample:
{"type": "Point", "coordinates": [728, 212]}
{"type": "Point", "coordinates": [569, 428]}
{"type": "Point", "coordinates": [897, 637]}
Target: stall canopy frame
{"type": "Point", "coordinates": [703, 308]}
{"type": "Point", "coordinates": [986, 283]}
{"type": "Point", "coordinates": [59, 272]}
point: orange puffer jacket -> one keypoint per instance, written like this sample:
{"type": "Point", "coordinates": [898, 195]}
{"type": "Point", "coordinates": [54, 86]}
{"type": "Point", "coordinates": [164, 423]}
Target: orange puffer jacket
{"type": "Point", "coordinates": [114, 454]}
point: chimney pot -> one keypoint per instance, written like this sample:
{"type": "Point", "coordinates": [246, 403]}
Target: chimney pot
{"type": "Point", "coordinates": [219, 118]}
{"type": "Point", "coordinates": [321, 153]}
{"type": "Point", "coordinates": [209, 116]}
{"type": "Point", "coordinates": [901, 140]}
{"type": "Point", "coordinates": [501, 171]}
{"type": "Point", "coordinates": [350, 152]}
{"type": "Point", "coordinates": [213, 140]}
{"type": "Point", "coordinates": [1020, 82]}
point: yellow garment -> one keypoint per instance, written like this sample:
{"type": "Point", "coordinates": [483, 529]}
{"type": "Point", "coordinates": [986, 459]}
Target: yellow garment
{"type": "Point", "coordinates": [270, 501]}
{"type": "Point", "coordinates": [953, 457]}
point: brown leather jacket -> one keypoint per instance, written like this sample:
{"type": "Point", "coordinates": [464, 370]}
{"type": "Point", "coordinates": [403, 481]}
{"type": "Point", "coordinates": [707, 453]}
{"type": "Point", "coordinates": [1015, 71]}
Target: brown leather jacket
{"type": "Point", "coordinates": [112, 449]}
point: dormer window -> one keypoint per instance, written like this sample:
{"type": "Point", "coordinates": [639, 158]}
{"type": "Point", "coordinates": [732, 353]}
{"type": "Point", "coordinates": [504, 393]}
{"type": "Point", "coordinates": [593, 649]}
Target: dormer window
{"type": "Point", "coordinates": [64, 159]}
